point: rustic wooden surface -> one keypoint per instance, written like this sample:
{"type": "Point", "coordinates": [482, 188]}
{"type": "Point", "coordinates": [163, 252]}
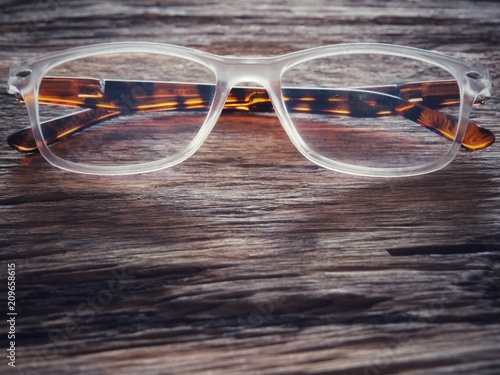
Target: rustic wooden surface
{"type": "Point", "coordinates": [246, 258]}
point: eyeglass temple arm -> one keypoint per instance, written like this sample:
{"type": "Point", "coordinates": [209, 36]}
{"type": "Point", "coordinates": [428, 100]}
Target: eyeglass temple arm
{"type": "Point", "coordinates": [60, 127]}
{"type": "Point", "coordinates": [106, 99]}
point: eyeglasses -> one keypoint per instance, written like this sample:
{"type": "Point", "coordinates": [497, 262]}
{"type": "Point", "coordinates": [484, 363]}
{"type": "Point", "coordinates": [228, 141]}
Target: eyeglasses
{"type": "Point", "coordinates": [365, 109]}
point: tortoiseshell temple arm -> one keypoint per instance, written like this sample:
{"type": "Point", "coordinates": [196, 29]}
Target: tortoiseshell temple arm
{"type": "Point", "coordinates": [104, 99]}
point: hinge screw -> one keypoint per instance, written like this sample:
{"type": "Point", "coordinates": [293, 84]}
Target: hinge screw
{"type": "Point", "coordinates": [23, 73]}
{"type": "Point", "coordinates": [474, 75]}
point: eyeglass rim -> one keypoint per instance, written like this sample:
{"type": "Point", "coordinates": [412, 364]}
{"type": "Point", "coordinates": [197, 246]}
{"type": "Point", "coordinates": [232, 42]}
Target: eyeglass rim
{"type": "Point", "coordinates": [271, 70]}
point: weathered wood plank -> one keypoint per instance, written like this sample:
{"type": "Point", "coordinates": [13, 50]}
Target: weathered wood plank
{"type": "Point", "coordinates": [246, 258]}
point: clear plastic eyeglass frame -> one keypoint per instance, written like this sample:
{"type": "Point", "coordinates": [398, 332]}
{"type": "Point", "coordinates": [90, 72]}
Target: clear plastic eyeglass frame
{"type": "Point", "coordinates": [474, 84]}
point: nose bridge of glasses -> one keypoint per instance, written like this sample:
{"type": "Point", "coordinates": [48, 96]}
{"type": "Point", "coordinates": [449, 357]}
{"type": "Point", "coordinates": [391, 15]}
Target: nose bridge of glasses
{"type": "Point", "coordinates": [249, 83]}
{"type": "Point", "coordinates": [237, 71]}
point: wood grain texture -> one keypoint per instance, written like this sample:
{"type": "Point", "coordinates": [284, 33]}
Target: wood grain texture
{"type": "Point", "coordinates": [247, 259]}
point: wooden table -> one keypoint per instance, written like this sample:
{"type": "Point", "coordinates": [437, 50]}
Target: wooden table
{"type": "Point", "coordinates": [247, 258]}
